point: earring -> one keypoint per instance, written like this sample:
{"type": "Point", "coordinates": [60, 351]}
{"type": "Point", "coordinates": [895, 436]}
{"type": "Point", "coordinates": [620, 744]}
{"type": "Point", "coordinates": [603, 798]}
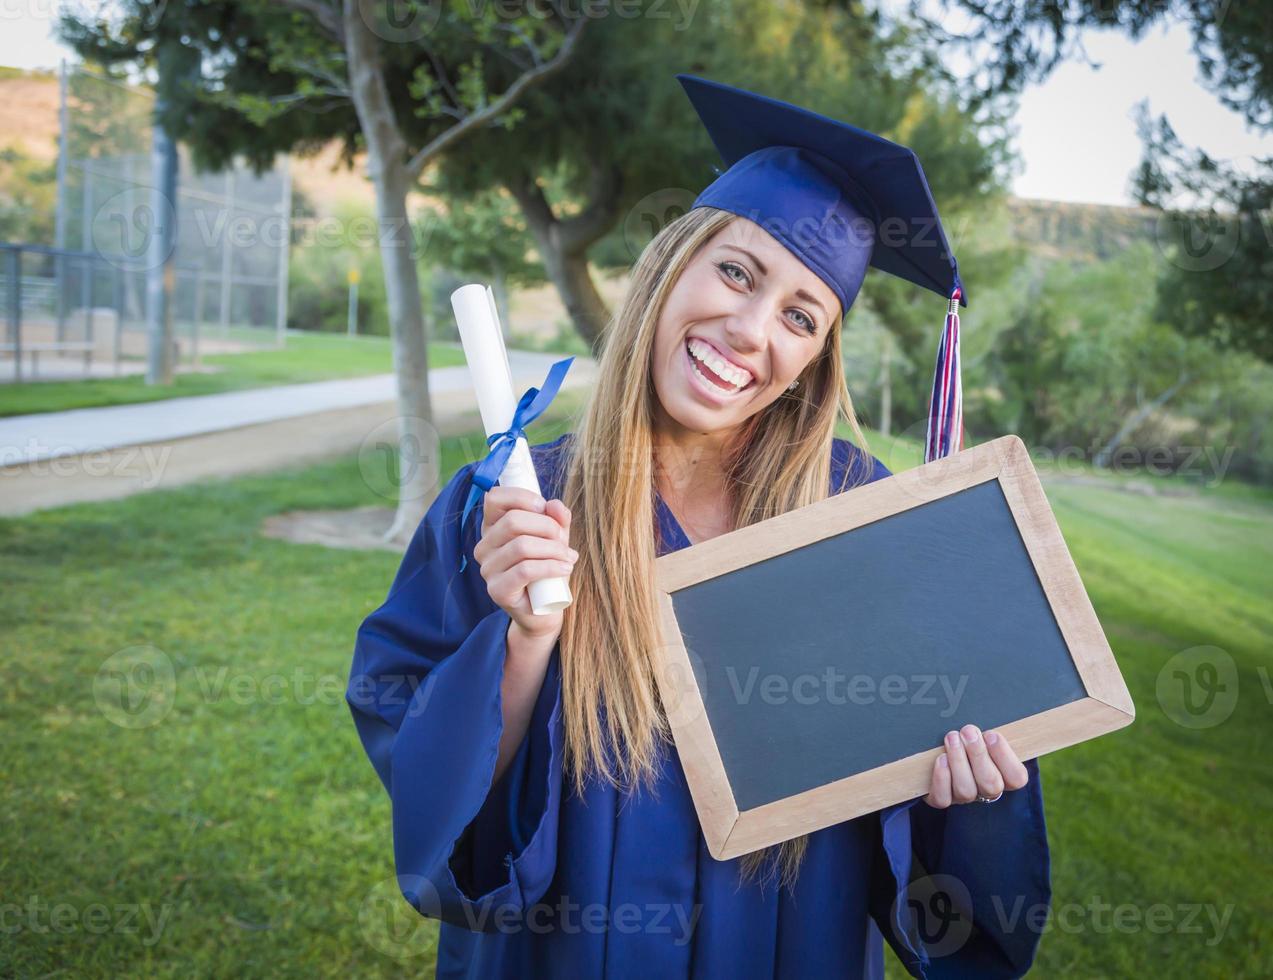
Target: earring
{"type": "Point", "coordinates": [794, 385]}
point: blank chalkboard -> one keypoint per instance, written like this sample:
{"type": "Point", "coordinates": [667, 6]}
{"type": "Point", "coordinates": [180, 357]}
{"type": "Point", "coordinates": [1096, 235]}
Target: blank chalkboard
{"type": "Point", "coordinates": [812, 663]}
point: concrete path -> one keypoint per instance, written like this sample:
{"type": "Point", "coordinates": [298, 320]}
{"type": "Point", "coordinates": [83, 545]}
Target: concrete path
{"type": "Point", "coordinates": [27, 438]}
{"type": "Point", "coordinates": [57, 458]}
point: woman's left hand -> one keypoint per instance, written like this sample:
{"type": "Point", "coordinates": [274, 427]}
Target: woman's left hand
{"type": "Point", "coordinates": [974, 765]}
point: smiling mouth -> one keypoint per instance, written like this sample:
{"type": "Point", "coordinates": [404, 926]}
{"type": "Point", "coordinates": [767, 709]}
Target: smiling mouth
{"type": "Point", "coordinates": [708, 376]}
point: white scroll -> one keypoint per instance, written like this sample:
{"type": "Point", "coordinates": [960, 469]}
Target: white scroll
{"type": "Point", "coordinates": [483, 341]}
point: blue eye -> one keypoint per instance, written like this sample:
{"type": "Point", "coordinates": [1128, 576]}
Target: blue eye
{"type": "Point", "coordinates": [806, 321]}
{"type": "Point", "coordinates": [809, 323]}
{"type": "Point", "coordinates": [726, 266]}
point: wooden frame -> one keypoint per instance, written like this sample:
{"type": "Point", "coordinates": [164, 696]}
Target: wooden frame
{"type": "Point", "coordinates": [1107, 706]}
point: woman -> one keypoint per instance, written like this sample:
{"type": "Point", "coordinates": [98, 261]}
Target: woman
{"type": "Point", "coordinates": [539, 808]}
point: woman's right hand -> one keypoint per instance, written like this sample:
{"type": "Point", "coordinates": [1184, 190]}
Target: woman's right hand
{"type": "Point", "coordinates": [524, 539]}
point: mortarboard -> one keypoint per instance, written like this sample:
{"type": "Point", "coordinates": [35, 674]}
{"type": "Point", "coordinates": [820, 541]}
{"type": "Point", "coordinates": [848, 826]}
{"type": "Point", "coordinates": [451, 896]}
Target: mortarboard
{"type": "Point", "coordinates": [840, 199]}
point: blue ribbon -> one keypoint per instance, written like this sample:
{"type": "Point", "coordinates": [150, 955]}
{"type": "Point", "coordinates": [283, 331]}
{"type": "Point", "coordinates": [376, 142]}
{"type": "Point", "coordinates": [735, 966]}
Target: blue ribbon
{"type": "Point", "coordinates": [487, 472]}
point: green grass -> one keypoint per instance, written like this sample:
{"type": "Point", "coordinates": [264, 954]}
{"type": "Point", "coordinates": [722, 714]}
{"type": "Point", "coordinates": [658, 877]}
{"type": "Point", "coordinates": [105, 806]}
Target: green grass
{"type": "Point", "coordinates": [307, 357]}
{"type": "Point", "coordinates": [249, 819]}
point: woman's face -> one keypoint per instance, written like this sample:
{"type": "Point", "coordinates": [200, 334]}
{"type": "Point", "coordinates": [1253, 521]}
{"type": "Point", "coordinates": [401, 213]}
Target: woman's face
{"type": "Point", "coordinates": [743, 321]}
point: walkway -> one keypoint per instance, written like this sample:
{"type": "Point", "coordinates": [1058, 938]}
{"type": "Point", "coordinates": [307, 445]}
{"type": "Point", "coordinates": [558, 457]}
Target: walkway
{"type": "Point", "coordinates": [56, 458]}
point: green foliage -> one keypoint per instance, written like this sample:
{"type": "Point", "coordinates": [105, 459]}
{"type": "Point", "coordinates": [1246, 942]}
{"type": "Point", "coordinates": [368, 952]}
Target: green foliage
{"type": "Point", "coordinates": [1011, 44]}
{"type": "Point", "coordinates": [1221, 284]}
{"type": "Point", "coordinates": [326, 250]}
{"type": "Point", "coordinates": [1083, 352]}
{"type": "Point", "coordinates": [28, 198]}
{"type": "Point", "coordinates": [483, 237]}
{"type": "Point", "coordinates": [1217, 223]}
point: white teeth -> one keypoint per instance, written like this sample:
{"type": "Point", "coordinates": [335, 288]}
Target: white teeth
{"type": "Point", "coordinates": [703, 352]}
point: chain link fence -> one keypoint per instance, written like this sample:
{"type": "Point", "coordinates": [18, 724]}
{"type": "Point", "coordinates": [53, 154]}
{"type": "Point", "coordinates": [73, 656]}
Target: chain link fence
{"type": "Point", "coordinates": [84, 304]}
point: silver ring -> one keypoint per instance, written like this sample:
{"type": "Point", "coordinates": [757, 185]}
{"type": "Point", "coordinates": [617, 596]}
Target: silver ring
{"type": "Point", "coordinates": [986, 799]}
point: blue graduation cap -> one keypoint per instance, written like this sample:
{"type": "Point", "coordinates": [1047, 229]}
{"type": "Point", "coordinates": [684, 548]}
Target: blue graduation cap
{"type": "Point", "coordinates": [840, 199]}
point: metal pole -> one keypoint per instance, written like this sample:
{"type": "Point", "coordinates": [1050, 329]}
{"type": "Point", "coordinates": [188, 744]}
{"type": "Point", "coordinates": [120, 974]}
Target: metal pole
{"type": "Point", "coordinates": [161, 270]}
{"type": "Point", "coordinates": [284, 257]}
{"type": "Point", "coordinates": [118, 293]}
{"type": "Point", "coordinates": [228, 204]}
{"type": "Point", "coordinates": [352, 319]}
{"type": "Point", "coordinates": [63, 151]}
{"type": "Point", "coordinates": [198, 315]}
{"type": "Point", "coordinates": [15, 308]}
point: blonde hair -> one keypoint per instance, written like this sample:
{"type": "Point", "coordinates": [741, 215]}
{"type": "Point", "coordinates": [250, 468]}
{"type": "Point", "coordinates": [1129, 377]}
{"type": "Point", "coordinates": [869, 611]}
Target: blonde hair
{"type": "Point", "coordinates": [615, 726]}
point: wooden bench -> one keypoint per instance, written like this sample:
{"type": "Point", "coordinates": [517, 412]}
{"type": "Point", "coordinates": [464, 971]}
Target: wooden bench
{"type": "Point", "coordinates": [85, 347]}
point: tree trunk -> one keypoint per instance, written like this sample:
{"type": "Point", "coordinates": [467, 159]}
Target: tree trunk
{"type": "Point", "coordinates": [573, 279]}
{"type": "Point", "coordinates": [1101, 459]}
{"type": "Point", "coordinates": [563, 245]}
{"type": "Point", "coordinates": [387, 166]}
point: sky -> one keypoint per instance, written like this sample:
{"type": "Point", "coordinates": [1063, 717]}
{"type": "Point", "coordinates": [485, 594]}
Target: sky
{"type": "Point", "coordinates": [1075, 133]}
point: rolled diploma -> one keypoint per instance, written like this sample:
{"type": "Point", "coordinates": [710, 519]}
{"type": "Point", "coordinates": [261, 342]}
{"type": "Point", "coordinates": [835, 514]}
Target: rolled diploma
{"type": "Point", "coordinates": [483, 341]}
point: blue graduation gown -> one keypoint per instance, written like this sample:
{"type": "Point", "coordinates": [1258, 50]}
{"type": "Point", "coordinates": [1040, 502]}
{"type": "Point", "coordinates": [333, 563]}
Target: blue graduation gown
{"type": "Point", "coordinates": [530, 880]}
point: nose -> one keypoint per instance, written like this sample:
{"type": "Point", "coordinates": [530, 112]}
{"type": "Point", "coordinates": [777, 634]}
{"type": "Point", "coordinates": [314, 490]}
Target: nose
{"type": "Point", "coordinates": [746, 327]}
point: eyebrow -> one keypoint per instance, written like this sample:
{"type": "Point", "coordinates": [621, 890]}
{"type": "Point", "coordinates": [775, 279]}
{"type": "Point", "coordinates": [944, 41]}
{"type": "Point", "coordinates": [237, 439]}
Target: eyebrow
{"type": "Point", "coordinates": [800, 293]}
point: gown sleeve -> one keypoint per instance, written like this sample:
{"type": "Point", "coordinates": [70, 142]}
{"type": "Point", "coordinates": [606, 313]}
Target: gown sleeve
{"type": "Point", "coordinates": [424, 691]}
{"type": "Point", "coordinates": [963, 892]}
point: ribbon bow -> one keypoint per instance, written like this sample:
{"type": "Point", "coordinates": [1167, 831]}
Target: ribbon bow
{"type": "Point", "coordinates": [487, 472]}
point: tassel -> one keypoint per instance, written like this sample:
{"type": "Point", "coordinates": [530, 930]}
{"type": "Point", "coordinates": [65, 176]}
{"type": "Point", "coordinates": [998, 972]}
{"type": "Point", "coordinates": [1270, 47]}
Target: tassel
{"type": "Point", "coordinates": [946, 404]}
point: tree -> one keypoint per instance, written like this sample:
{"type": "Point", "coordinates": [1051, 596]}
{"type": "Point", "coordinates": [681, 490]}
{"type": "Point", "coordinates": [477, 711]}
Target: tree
{"type": "Point", "coordinates": [616, 149]}
{"type": "Point", "coordinates": [1215, 221]}
{"type": "Point", "coordinates": [403, 82]}
{"type": "Point", "coordinates": [1217, 227]}
{"type": "Point", "coordinates": [485, 239]}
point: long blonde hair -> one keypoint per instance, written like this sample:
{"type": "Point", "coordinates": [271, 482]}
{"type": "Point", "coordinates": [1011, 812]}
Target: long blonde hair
{"type": "Point", "coordinates": [780, 460]}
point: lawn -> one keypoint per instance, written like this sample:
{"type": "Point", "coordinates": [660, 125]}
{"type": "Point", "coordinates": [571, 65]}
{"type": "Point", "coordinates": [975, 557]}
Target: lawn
{"type": "Point", "coordinates": [307, 357]}
{"type": "Point", "coordinates": [243, 832]}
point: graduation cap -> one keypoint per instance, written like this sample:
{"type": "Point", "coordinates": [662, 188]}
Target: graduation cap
{"type": "Point", "coordinates": [840, 199]}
